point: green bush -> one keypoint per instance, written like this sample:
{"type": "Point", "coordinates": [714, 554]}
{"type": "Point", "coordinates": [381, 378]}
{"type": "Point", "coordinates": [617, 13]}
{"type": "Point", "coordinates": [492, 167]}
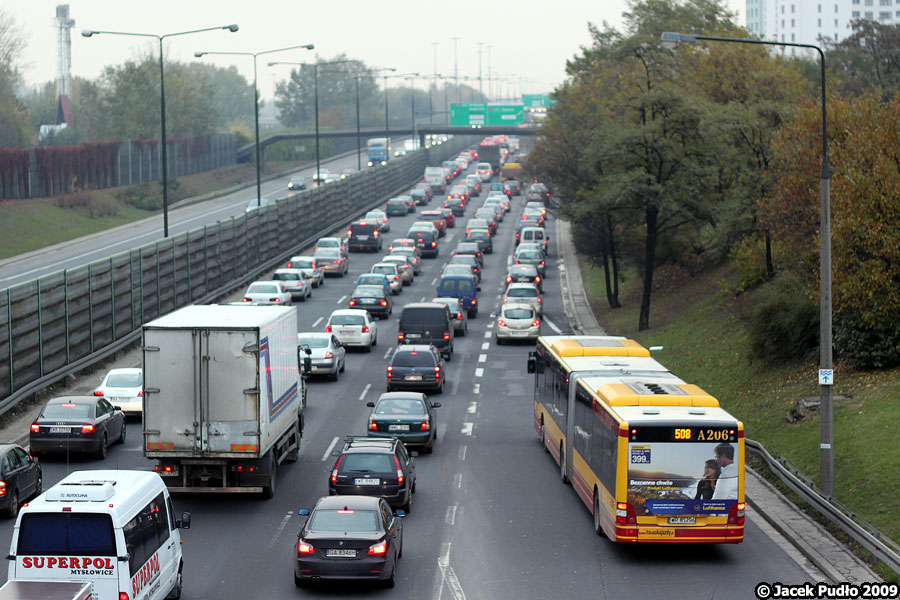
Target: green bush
{"type": "Point", "coordinates": [144, 196]}
{"type": "Point", "coordinates": [78, 199]}
{"type": "Point", "coordinates": [865, 346]}
{"type": "Point", "coordinates": [99, 207]}
{"type": "Point", "coordinates": [782, 320]}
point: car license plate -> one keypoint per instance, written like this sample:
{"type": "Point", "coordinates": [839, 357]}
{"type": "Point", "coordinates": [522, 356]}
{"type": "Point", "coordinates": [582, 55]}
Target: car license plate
{"type": "Point", "coordinates": [367, 481]}
{"type": "Point", "coordinates": [519, 333]}
{"type": "Point", "coordinates": [347, 331]}
{"type": "Point", "coordinates": [362, 238]}
{"type": "Point", "coordinates": [682, 520]}
{"type": "Point", "coordinates": [413, 335]}
{"type": "Point", "coordinates": [413, 378]}
{"type": "Point", "coordinates": [340, 553]}
{"type": "Point", "coordinates": [60, 430]}
{"type": "Point", "coordinates": [368, 301]}
{"type": "Point", "coordinates": [398, 427]}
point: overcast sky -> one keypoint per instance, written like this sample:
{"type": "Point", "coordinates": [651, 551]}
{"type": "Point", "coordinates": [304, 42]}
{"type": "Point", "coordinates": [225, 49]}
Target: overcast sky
{"type": "Point", "coordinates": [530, 40]}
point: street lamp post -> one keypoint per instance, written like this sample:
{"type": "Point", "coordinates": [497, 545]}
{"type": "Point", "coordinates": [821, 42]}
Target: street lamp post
{"type": "Point", "coordinates": [387, 126]}
{"type": "Point", "coordinates": [826, 368]}
{"type": "Point", "coordinates": [256, 104]}
{"type": "Point", "coordinates": [164, 158]}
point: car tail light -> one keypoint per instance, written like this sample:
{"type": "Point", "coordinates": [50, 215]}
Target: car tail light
{"type": "Point", "coordinates": [517, 261]}
{"type": "Point", "coordinates": [433, 244]}
{"type": "Point", "coordinates": [536, 323]}
{"type": "Point", "coordinates": [141, 394]}
{"type": "Point", "coordinates": [2, 488]}
{"type": "Point", "coordinates": [337, 262]}
{"type": "Point", "coordinates": [329, 354]}
{"type": "Point", "coordinates": [459, 316]}
{"type": "Point", "coordinates": [275, 299]}
{"type": "Point", "coordinates": [537, 279]}
{"type": "Point", "coordinates": [399, 471]}
{"type": "Point", "coordinates": [426, 425]}
{"type": "Point", "coordinates": [446, 336]}
{"type": "Point", "coordinates": [328, 329]}
{"type": "Point", "coordinates": [542, 263]}
{"type": "Point", "coordinates": [123, 596]}
{"type": "Point", "coordinates": [518, 235]}
{"type": "Point", "coordinates": [625, 513]}
{"type": "Point", "coordinates": [304, 547]}
{"type": "Point", "coordinates": [373, 426]}
{"type": "Point", "coordinates": [378, 549]}
{"type": "Point", "coordinates": [349, 232]}
{"type": "Point", "coordinates": [375, 234]}
{"type": "Point", "coordinates": [87, 429]}
{"type": "Point", "coordinates": [539, 300]}
{"type": "Point", "coordinates": [246, 300]}
{"type": "Point", "coordinates": [384, 302]}
{"type": "Point", "coordinates": [98, 393]}
{"type": "Point", "coordinates": [399, 335]}
{"type": "Point", "coordinates": [365, 329]}
{"type": "Point", "coordinates": [474, 301]}
{"type": "Point", "coordinates": [335, 471]}
{"type": "Point", "coordinates": [501, 322]}
{"type": "Point", "coordinates": [35, 428]}
{"type": "Point", "coordinates": [352, 302]}
{"type": "Point", "coordinates": [736, 514]}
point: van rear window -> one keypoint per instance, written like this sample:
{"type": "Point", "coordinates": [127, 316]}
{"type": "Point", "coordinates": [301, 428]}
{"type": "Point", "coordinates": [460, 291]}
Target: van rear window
{"type": "Point", "coordinates": [421, 316]}
{"type": "Point", "coordinates": [359, 229]}
{"type": "Point", "coordinates": [66, 534]}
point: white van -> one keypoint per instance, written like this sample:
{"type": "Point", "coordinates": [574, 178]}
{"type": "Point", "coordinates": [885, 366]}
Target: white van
{"type": "Point", "coordinates": [114, 529]}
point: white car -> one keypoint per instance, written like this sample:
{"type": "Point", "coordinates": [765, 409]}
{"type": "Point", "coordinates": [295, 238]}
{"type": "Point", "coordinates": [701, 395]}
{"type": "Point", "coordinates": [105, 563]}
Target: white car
{"type": "Point", "coordinates": [524, 293]}
{"type": "Point", "coordinates": [407, 274]}
{"type": "Point", "coordinates": [327, 354]}
{"type": "Point", "coordinates": [353, 327]}
{"type": "Point", "coordinates": [124, 388]}
{"type": "Point", "coordinates": [309, 263]}
{"type": "Point", "coordinates": [379, 217]}
{"type": "Point", "coordinates": [297, 281]}
{"type": "Point", "coordinates": [267, 292]}
{"type": "Point", "coordinates": [517, 321]}
{"type": "Point", "coordinates": [392, 272]}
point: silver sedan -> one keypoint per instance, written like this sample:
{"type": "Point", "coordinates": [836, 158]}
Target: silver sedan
{"type": "Point", "coordinates": [327, 354]}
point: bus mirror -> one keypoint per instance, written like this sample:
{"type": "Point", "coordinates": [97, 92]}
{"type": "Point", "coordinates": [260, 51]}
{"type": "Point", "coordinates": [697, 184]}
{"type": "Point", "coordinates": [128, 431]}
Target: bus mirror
{"type": "Point", "coordinates": [532, 362]}
{"type": "Point", "coordinates": [307, 365]}
{"type": "Point", "coordinates": [184, 522]}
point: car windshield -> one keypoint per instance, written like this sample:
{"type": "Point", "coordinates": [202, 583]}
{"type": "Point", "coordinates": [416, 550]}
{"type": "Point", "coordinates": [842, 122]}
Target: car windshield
{"type": "Point", "coordinates": [124, 380]}
{"type": "Point", "coordinates": [343, 520]}
{"type": "Point", "coordinates": [518, 313]}
{"type": "Point", "coordinates": [286, 276]}
{"type": "Point", "coordinates": [452, 303]}
{"type": "Point", "coordinates": [263, 288]}
{"type": "Point", "coordinates": [313, 341]}
{"type": "Point", "coordinates": [529, 256]}
{"type": "Point", "coordinates": [369, 291]}
{"type": "Point", "coordinates": [367, 463]}
{"type": "Point", "coordinates": [347, 320]}
{"type": "Point", "coordinates": [400, 406]}
{"type": "Point", "coordinates": [68, 410]}
{"type": "Point", "coordinates": [375, 215]}
{"type": "Point", "coordinates": [413, 358]}
{"type": "Point", "coordinates": [521, 292]}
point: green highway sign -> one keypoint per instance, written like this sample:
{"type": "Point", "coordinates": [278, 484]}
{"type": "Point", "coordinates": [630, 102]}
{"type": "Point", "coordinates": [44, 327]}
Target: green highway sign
{"type": "Point", "coordinates": [536, 100]}
{"type": "Point", "coordinates": [478, 114]}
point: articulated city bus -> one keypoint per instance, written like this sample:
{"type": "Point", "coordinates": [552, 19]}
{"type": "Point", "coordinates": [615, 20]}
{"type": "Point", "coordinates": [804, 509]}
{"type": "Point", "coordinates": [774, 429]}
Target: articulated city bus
{"type": "Point", "coordinates": [654, 459]}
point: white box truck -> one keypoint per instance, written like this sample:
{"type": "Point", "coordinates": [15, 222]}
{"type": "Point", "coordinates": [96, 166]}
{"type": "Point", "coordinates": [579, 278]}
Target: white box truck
{"type": "Point", "coordinates": [223, 397]}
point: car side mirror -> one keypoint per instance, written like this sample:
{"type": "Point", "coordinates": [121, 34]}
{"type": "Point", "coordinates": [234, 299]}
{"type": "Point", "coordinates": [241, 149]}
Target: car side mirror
{"type": "Point", "coordinates": [303, 512]}
{"type": "Point", "coordinates": [436, 404]}
{"type": "Point", "coordinates": [478, 288]}
{"type": "Point", "coordinates": [184, 522]}
{"type": "Point", "coordinates": [400, 513]}
{"type": "Point", "coordinates": [117, 407]}
{"type": "Point", "coordinates": [370, 404]}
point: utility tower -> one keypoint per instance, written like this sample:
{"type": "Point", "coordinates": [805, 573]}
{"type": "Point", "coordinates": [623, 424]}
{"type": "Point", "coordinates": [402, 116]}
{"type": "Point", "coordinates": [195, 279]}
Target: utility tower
{"type": "Point", "coordinates": [64, 26]}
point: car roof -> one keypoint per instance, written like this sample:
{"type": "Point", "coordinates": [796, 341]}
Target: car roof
{"type": "Point", "coordinates": [446, 300]}
{"type": "Point", "coordinates": [349, 502]}
{"type": "Point", "coordinates": [414, 347]}
{"type": "Point", "coordinates": [72, 400]}
{"type": "Point", "coordinates": [271, 281]}
{"type": "Point", "coordinates": [421, 305]}
{"type": "Point", "coordinates": [350, 311]}
{"type": "Point", "coordinates": [367, 444]}
{"type": "Point", "coordinates": [382, 275]}
{"type": "Point", "coordinates": [521, 284]}
{"type": "Point", "coordinates": [126, 370]}
{"type": "Point", "coordinates": [389, 395]}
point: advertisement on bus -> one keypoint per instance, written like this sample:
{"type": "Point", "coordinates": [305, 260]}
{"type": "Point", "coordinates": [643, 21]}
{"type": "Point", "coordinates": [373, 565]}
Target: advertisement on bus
{"type": "Point", "coordinates": [677, 478]}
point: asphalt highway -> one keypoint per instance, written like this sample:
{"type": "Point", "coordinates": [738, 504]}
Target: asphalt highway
{"type": "Point", "coordinates": [490, 519]}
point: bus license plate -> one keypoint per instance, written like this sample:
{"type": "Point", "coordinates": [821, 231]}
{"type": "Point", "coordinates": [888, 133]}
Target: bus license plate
{"type": "Point", "coordinates": [682, 520]}
{"type": "Point", "coordinates": [340, 553]}
{"type": "Point", "coordinates": [367, 481]}
{"type": "Point", "coordinates": [398, 427]}
{"type": "Point", "coordinates": [59, 430]}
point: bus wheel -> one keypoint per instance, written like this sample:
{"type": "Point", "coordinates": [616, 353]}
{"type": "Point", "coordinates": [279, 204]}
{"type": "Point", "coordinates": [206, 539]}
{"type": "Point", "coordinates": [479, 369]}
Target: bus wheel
{"type": "Point", "coordinates": [598, 527]}
{"type": "Point", "coordinates": [562, 464]}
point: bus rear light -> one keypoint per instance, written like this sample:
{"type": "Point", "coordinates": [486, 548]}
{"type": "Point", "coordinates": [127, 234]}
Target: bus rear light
{"type": "Point", "coordinates": [625, 513]}
{"type": "Point", "coordinates": [736, 514]}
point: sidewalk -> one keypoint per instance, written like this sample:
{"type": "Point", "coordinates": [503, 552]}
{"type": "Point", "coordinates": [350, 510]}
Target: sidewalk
{"type": "Point", "coordinates": [807, 542]}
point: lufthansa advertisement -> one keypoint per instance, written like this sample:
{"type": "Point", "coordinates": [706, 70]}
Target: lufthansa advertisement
{"type": "Point", "coordinates": [682, 479]}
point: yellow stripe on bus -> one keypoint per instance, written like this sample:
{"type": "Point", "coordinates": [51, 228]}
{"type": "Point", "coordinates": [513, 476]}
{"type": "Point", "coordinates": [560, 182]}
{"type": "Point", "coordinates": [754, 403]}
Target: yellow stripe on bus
{"type": "Point", "coordinates": [620, 394]}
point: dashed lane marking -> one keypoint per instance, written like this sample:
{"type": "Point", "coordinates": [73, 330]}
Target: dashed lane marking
{"type": "Point", "coordinates": [388, 353]}
{"type": "Point", "coordinates": [365, 391]}
{"type": "Point", "coordinates": [462, 452]}
{"type": "Point", "coordinates": [482, 358]}
{"type": "Point", "coordinates": [479, 372]}
{"type": "Point", "coordinates": [450, 517]}
{"type": "Point", "coordinates": [330, 448]}
{"type": "Point", "coordinates": [317, 321]}
{"type": "Point", "coordinates": [472, 408]}
{"type": "Point", "coordinates": [476, 389]}
{"type": "Point", "coordinates": [467, 428]}
{"type": "Point", "coordinates": [486, 346]}
{"type": "Point", "coordinates": [284, 522]}
{"type": "Point", "coordinates": [341, 299]}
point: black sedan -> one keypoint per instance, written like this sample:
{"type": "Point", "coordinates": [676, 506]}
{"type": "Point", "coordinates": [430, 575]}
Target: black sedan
{"type": "Point", "coordinates": [372, 298]}
{"type": "Point", "coordinates": [416, 367]}
{"type": "Point", "coordinates": [524, 274]}
{"type": "Point", "coordinates": [349, 537]}
{"type": "Point", "coordinates": [77, 424]}
{"type": "Point", "coordinates": [408, 416]}
{"type": "Point", "coordinates": [20, 478]}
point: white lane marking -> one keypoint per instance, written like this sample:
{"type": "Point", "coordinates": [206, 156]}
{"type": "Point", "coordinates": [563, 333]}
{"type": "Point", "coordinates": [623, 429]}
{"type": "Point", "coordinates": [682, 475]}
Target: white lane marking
{"type": "Point", "coordinates": [434, 281]}
{"type": "Point", "coordinates": [487, 333]}
{"type": "Point", "coordinates": [365, 391]}
{"type": "Point", "coordinates": [457, 480]}
{"type": "Point", "coordinates": [330, 448]}
{"type": "Point", "coordinates": [486, 346]}
{"type": "Point", "coordinates": [317, 321]}
{"type": "Point", "coordinates": [552, 325]}
{"type": "Point", "coordinates": [450, 517]}
{"type": "Point", "coordinates": [388, 353]}
{"type": "Point", "coordinates": [479, 372]}
{"type": "Point", "coordinates": [449, 237]}
{"type": "Point", "coordinates": [467, 428]}
{"type": "Point", "coordinates": [472, 408]}
{"type": "Point", "coordinates": [447, 576]}
{"type": "Point", "coordinates": [476, 389]}
{"type": "Point", "coordinates": [482, 358]}
{"type": "Point", "coordinates": [281, 527]}
{"type": "Point", "coordinates": [462, 452]}
{"type": "Point", "coordinates": [423, 298]}
{"type": "Point", "coordinates": [341, 299]}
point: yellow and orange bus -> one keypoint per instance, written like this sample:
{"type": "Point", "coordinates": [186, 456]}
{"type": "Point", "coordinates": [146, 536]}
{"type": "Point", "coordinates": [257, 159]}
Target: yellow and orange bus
{"type": "Point", "coordinates": [655, 459]}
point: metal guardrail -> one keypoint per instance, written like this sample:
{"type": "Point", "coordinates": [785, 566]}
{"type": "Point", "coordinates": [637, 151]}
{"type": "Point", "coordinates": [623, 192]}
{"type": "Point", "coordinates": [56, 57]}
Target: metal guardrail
{"type": "Point", "coordinates": [63, 322]}
{"type": "Point", "coordinates": [882, 547]}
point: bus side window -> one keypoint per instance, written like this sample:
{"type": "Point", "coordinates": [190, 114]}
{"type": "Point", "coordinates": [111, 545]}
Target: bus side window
{"type": "Point", "coordinates": [134, 544]}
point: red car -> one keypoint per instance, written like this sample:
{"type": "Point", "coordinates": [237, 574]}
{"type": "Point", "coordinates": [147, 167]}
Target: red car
{"type": "Point", "coordinates": [449, 217]}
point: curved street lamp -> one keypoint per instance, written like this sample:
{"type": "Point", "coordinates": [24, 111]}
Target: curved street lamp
{"type": "Point", "coordinates": [162, 100]}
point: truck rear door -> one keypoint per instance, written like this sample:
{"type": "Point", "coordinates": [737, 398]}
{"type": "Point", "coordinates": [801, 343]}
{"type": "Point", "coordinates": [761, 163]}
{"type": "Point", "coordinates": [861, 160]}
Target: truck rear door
{"type": "Point", "coordinates": [230, 390]}
{"type": "Point", "coordinates": [171, 390]}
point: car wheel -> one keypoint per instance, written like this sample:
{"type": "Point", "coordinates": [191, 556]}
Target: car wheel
{"type": "Point", "coordinates": [104, 443]}
{"type": "Point", "coordinates": [121, 439]}
{"type": "Point", "coordinates": [369, 347]}
{"type": "Point", "coordinates": [13, 510]}
{"type": "Point", "coordinates": [465, 331]}
{"type": "Point", "coordinates": [343, 365]}
{"type": "Point", "coordinates": [304, 297]}
{"type": "Point", "coordinates": [375, 341]}
{"type": "Point", "coordinates": [39, 484]}
{"type": "Point", "coordinates": [407, 506]}
{"type": "Point", "coordinates": [598, 526]}
{"type": "Point", "coordinates": [334, 376]}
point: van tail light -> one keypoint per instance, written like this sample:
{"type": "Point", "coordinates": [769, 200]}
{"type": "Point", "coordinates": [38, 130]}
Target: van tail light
{"type": "Point", "coordinates": [736, 514]}
{"type": "Point", "coordinates": [123, 596]}
{"type": "Point", "coordinates": [536, 323]}
{"type": "Point", "coordinates": [87, 429]}
{"type": "Point", "coordinates": [378, 549]}
{"type": "Point", "coordinates": [383, 302]}
{"type": "Point", "coordinates": [373, 426]}
{"type": "Point", "coordinates": [625, 514]}
{"type": "Point", "coordinates": [426, 425]}
{"type": "Point", "coordinates": [365, 329]}
{"type": "Point", "coordinates": [328, 329]}
{"type": "Point", "coordinates": [446, 335]}
{"type": "Point", "coordinates": [98, 393]}
{"type": "Point", "coordinates": [399, 471]}
{"type": "Point", "coordinates": [35, 428]}
{"type": "Point", "coordinates": [459, 316]}
{"type": "Point", "coordinates": [501, 322]}
{"type": "Point", "coordinates": [304, 547]}
{"type": "Point", "coordinates": [335, 470]}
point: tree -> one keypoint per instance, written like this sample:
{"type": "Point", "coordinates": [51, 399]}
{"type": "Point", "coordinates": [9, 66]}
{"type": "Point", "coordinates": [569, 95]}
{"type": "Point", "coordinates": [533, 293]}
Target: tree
{"type": "Point", "coordinates": [868, 60]}
{"type": "Point", "coordinates": [14, 129]}
{"type": "Point", "coordinates": [232, 94]}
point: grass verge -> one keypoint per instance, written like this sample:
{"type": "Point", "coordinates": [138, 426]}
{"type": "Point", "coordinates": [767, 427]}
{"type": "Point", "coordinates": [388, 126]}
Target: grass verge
{"type": "Point", "coordinates": [706, 343]}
